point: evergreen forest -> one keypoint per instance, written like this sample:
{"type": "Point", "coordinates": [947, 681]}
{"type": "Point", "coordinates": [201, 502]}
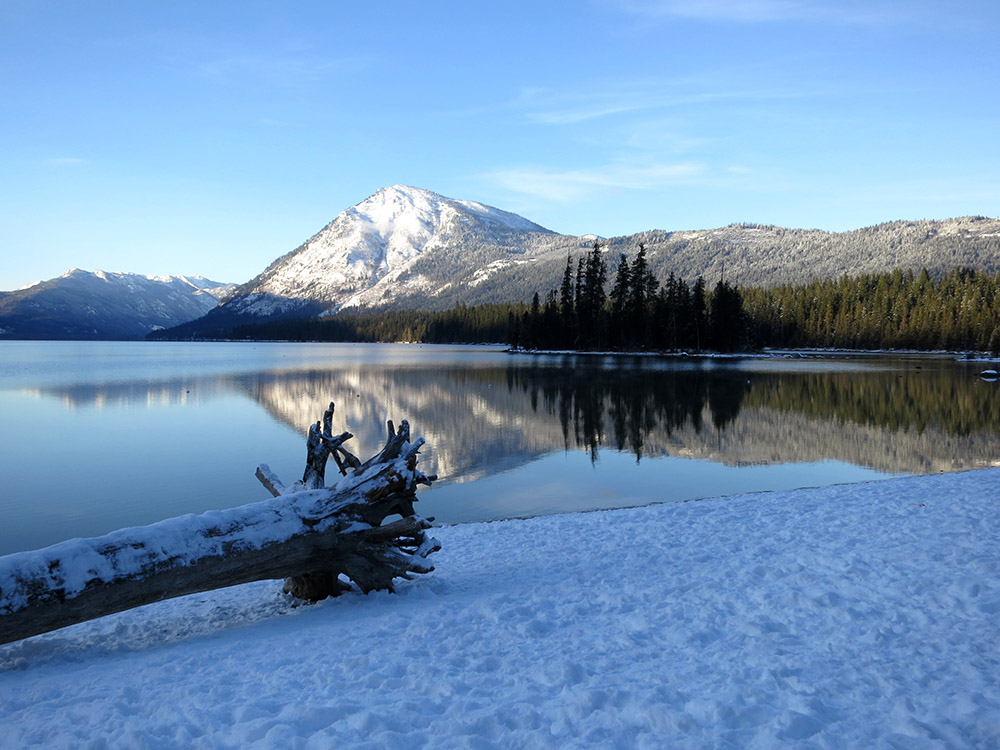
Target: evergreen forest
{"type": "Point", "coordinates": [636, 313]}
{"type": "Point", "coordinates": [460, 325]}
{"type": "Point", "coordinates": [897, 310]}
{"type": "Point", "coordinates": [625, 307]}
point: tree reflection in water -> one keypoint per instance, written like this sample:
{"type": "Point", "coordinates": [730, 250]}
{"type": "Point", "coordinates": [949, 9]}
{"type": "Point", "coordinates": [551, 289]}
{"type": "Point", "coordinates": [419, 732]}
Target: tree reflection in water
{"type": "Point", "coordinates": [942, 412]}
{"type": "Point", "coordinates": [621, 408]}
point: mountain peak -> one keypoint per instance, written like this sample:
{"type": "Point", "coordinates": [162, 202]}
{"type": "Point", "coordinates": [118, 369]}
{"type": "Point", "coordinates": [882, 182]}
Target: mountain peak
{"type": "Point", "coordinates": [406, 191]}
{"type": "Point", "coordinates": [400, 241]}
{"type": "Point", "coordinates": [385, 205]}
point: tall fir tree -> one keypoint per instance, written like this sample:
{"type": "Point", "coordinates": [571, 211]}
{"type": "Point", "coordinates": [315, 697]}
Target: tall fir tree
{"type": "Point", "coordinates": [642, 289]}
{"type": "Point", "coordinates": [590, 300]}
{"type": "Point", "coordinates": [567, 312]}
{"type": "Point", "coordinates": [699, 307]}
{"type": "Point", "coordinates": [619, 334]}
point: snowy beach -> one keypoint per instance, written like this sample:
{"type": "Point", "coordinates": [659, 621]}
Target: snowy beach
{"type": "Point", "coordinates": [852, 616]}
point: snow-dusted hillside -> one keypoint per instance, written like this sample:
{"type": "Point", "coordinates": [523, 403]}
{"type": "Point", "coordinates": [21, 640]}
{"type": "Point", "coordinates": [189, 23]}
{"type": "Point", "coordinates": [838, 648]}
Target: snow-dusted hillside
{"type": "Point", "coordinates": [105, 305]}
{"type": "Point", "coordinates": [408, 248]}
{"type": "Point", "coordinates": [401, 244]}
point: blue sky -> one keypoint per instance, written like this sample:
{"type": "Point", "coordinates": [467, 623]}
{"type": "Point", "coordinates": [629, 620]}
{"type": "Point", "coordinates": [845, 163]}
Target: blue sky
{"type": "Point", "coordinates": [212, 137]}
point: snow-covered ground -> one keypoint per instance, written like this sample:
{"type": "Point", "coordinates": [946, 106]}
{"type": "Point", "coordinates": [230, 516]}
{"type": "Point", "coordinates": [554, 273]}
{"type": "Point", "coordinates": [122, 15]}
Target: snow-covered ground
{"type": "Point", "coordinates": [864, 616]}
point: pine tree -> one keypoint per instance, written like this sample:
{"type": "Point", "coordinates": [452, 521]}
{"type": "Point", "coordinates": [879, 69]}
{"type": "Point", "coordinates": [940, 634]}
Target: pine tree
{"type": "Point", "coordinates": [549, 334]}
{"type": "Point", "coordinates": [684, 313]}
{"type": "Point", "coordinates": [567, 312]}
{"type": "Point", "coordinates": [669, 315]}
{"type": "Point", "coordinates": [642, 289]}
{"type": "Point", "coordinates": [726, 320]}
{"type": "Point", "coordinates": [619, 333]}
{"type": "Point", "coordinates": [533, 330]}
{"type": "Point", "coordinates": [591, 298]}
{"type": "Point", "coordinates": [698, 310]}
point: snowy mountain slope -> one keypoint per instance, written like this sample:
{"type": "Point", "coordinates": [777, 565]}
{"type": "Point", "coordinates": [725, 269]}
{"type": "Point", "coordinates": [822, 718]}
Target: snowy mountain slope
{"type": "Point", "coordinates": [104, 305]}
{"type": "Point", "coordinates": [758, 255]}
{"type": "Point", "coordinates": [400, 244]}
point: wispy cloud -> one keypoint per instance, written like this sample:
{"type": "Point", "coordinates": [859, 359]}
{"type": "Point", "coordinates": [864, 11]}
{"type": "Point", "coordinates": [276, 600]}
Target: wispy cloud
{"type": "Point", "coordinates": [571, 107]}
{"type": "Point", "coordinates": [663, 136]}
{"type": "Point", "coordinates": [64, 161]}
{"type": "Point", "coordinates": [647, 133]}
{"type": "Point", "coordinates": [278, 70]}
{"type": "Point", "coordinates": [582, 113]}
{"type": "Point", "coordinates": [608, 99]}
{"type": "Point", "coordinates": [762, 11]}
{"type": "Point", "coordinates": [577, 184]}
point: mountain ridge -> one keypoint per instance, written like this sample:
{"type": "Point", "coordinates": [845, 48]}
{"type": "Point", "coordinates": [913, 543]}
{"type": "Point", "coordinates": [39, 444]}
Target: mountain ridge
{"type": "Point", "coordinates": [100, 304]}
{"type": "Point", "coordinates": [409, 248]}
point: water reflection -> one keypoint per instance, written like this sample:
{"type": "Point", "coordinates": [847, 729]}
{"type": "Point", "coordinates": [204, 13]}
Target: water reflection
{"type": "Point", "coordinates": [174, 392]}
{"type": "Point", "coordinates": [632, 410]}
{"type": "Point", "coordinates": [482, 420]}
{"type": "Point", "coordinates": [533, 434]}
{"type": "Point", "coordinates": [909, 421]}
{"type": "Point", "coordinates": [915, 399]}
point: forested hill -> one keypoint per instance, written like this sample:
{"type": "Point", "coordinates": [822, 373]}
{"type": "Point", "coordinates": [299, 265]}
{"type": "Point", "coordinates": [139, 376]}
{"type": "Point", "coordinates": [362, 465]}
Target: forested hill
{"type": "Point", "coordinates": [755, 255]}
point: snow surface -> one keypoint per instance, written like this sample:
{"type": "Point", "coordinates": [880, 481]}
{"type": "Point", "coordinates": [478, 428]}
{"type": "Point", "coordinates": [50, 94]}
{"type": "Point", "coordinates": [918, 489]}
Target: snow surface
{"type": "Point", "coordinates": [852, 616]}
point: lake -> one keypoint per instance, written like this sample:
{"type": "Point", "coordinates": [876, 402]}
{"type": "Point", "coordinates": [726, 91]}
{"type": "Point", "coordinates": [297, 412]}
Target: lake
{"type": "Point", "coordinates": [99, 435]}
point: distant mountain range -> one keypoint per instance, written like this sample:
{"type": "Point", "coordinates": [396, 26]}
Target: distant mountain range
{"type": "Point", "coordinates": [104, 305]}
{"type": "Point", "coordinates": [408, 248]}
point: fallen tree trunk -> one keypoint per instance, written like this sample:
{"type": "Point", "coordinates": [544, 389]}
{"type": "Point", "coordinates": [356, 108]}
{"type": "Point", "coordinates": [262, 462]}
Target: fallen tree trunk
{"type": "Point", "coordinates": [312, 536]}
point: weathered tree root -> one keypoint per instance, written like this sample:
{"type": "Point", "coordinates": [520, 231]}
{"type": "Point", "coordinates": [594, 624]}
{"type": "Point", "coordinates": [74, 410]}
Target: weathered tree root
{"type": "Point", "coordinates": [314, 537]}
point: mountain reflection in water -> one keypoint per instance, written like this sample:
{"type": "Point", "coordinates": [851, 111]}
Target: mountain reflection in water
{"type": "Point", "coordinates": [915, 421]}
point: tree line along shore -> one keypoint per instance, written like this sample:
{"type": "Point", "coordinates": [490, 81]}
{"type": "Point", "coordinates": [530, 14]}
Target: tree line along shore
{"type": "Point", "coordinates": [623, 307]}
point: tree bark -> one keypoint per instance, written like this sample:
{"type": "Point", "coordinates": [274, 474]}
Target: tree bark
{"type": "Point", "coordinates": [316, 538]}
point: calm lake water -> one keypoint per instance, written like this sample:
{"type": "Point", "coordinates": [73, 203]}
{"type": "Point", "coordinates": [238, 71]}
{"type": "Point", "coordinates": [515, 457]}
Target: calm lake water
{"type": "Point", "coordinates": [95, 436]}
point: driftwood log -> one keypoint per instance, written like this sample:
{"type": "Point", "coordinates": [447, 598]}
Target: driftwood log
{"type": "Point", "coordinates": [316, 538]}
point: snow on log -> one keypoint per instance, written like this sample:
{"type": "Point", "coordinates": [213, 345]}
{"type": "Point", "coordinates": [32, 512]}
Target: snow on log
{"type": "Point", "coordinates": [312, 536]}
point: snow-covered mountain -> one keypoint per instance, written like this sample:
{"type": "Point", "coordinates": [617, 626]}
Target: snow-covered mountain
{"type": "Point", "coordinates": [380, 251]}
{"type": "Point", "coordinates": [401, 246]}
{"type": "Point", "coordinates": [105, 305]}
{"type": "Point", "coordinates": [409, 248]}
